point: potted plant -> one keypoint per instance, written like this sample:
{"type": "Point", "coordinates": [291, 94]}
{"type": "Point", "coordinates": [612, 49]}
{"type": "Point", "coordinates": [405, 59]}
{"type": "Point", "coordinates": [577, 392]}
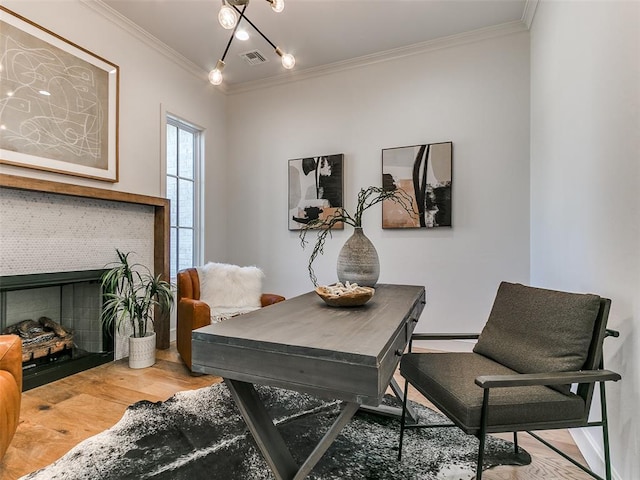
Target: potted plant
{"type": "Point", "coordinates": [131, 294]}
{"type": "Point", "coordinates": [358, 260]}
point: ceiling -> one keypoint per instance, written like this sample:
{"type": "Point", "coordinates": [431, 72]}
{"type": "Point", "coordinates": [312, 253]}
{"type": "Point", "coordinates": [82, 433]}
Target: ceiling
{"type": "Point", "coordinates": [317, 32]}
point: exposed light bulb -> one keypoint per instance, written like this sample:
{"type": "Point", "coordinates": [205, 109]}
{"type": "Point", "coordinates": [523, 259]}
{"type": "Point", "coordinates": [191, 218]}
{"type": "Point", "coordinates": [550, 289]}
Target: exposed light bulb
{"type": "Point", "coordinates": [242, 35]}
{"type": "Point", "coordinates": [288, 61]}
{"type": "Point", "coordinates": [277, 5]}
{"type": "Point", "coordinates": [215, 75]}
{"type": "Point", "coordinates": [227, 17]}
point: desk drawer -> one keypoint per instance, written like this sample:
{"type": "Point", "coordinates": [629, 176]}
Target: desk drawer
{"type": "Point", "coordinates": [390, 360]}
{"type": "Point", "coordinates": [335, 378]}
{"type": "Point", "coordinates": [414, 316]}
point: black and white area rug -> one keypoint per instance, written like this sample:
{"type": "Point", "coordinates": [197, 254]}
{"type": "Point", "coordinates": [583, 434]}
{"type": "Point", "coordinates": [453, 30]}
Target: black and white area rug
{"type": "Point", "coordinates": [200, 434]}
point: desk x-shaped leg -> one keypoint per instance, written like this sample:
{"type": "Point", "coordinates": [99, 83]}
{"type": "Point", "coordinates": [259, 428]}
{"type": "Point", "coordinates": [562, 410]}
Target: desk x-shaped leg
{"type": "Point", "coordinates": [268, 438]}
{"type": "Point", "coordinates": [395, 412]}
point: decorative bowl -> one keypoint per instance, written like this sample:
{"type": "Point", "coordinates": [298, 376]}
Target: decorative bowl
{"type": "Point", "coordinates": [345, 298]}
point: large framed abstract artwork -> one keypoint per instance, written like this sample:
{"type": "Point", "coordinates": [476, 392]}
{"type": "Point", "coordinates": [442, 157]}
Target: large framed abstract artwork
{"type": "Point", "coordinates": [315, 189]}
{"type": "Point", "coordinates": [58, 103]}
{"type": "Point", "coordinates": [424, 173]}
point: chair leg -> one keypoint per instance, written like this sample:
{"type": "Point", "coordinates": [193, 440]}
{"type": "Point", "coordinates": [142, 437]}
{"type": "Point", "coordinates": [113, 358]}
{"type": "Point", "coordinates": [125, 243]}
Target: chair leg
{"type": "Point", "coordinates": [605, 431]}
{"type": "Point", "coordinates": [482, 436]}
{"type": "Point", "coordinates": [403, 418]}
{"type": "Point", "coordinates": [482, 439]}
{"type": "Point", "coordinates": [515, 442]}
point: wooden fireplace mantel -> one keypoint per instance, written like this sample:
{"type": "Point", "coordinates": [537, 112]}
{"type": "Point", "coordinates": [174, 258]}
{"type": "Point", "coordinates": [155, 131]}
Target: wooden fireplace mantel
{"type": "Point", "coordinates": [160, 225]}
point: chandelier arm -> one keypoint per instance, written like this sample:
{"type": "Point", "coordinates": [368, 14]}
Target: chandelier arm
{"type": "Point", "coordinates": [242, 15]}
{"type": "Point", "coordinates": [226, 50]}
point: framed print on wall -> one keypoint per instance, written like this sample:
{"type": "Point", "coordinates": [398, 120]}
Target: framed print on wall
{"type": "Point", "coordinates": [315, 189]}
{"type": "Point", "coordinates": [424, 173]}
{"type": "Point", "coordinates": [58, 103]}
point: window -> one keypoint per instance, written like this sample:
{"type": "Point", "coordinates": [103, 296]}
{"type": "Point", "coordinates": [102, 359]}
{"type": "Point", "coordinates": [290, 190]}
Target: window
{"type": "Point", "coordinates": [183, 169]}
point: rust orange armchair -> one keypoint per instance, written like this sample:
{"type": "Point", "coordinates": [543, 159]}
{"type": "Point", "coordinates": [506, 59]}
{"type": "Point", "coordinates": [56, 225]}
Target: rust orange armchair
{"type": "Point", "coordinates": [10, 388]}
{"type": "Point", "coordinates": [194, 313]}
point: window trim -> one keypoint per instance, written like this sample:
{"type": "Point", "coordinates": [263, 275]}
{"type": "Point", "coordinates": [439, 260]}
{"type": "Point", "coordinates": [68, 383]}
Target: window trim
{"type": "Point", "coordinates": [198, 208]}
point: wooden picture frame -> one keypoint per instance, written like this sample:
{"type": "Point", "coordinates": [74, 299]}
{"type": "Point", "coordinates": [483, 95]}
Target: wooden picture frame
{"type": "Point", "coordinates": [424, 172]}
{"type": "Point", "coordinates": [316, 186]}
{"type": "Point", "coordinates": [58, 104]}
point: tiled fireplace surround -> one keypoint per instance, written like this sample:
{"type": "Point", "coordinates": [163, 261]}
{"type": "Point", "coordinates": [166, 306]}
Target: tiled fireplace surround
{"type": "Point", "coordinates": [48, 227]}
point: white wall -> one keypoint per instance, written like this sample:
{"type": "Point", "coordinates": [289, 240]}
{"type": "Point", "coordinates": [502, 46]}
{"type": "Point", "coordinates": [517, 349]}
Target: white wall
{"type": "Point", "coordinates": [585, 161]}
{"type": "Point", "coordinates": [150, 84]}
{"type": "Point", "coordinates": [475, 95]}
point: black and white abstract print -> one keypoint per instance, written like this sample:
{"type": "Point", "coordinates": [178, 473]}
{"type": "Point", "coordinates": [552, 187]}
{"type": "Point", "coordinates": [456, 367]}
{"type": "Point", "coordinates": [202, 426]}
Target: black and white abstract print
{"type": "Point", "coordinates": [315, 188]}
{"type": "Point", "coordinates": [424, 172]}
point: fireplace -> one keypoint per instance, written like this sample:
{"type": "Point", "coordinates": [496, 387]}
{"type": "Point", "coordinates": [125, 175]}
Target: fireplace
{"type": "Point", "coordinates": [58, 317]}
{"type": "Point", "coordinates": [50, 226]}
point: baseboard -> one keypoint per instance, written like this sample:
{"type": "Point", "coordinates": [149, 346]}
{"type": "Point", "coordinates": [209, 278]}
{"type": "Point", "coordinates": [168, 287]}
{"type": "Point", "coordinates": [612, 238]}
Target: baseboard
{"type": "Point", "coordinates": [592, 452]}
{"type": "Point", "coordinates": [172, 335]}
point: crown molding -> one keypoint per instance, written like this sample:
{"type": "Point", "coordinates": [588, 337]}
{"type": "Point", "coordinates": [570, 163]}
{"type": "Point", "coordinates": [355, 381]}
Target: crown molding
{"type": "Point", "coordinates": [388, 55]}
{"type": "Point", "coordinates": [145, 37]}
{"type": "Point", "coordinates": [142, 35]}
{"type": "Point", "coordinates": [529, 12]}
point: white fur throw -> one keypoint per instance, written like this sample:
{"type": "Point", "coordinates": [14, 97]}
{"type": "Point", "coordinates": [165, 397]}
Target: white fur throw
{"type": "Point", "coordinates": [230, 289]}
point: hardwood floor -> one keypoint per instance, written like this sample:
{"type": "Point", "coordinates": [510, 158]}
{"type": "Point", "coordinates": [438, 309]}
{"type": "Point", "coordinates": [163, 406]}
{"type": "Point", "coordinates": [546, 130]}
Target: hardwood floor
{"type": "Point", "coordinates": [56, 417]}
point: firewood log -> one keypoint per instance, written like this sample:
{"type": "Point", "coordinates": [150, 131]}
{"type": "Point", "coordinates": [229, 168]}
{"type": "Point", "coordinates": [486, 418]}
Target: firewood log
{"type": "Point", "coordinates": [49, 324]}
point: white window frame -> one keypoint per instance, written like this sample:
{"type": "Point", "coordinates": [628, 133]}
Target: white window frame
{"type": "Point", "coordinates": [198, 157]}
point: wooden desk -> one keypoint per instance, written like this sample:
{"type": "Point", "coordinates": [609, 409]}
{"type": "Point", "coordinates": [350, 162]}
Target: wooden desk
{"type": "Point", "coordinates": [304, 345]}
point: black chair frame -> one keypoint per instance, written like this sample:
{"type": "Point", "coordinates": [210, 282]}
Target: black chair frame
{"type": "Point", "coordinates": [586, 380]}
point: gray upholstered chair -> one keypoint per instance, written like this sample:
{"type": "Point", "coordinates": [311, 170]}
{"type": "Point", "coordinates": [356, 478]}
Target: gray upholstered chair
{"type": "Point", "coordinates": [534, 346]}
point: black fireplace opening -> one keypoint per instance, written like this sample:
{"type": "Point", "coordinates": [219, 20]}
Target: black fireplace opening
{"type": "Point", "coordinates": [57, 316]}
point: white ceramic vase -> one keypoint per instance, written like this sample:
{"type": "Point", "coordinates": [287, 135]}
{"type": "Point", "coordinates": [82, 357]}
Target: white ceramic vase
{"type": "Point", "coordinates": [142, 351]}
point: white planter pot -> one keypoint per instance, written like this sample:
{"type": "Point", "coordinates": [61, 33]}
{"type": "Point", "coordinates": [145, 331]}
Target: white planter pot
{"type": "Point", "coordinates": [142, 351]}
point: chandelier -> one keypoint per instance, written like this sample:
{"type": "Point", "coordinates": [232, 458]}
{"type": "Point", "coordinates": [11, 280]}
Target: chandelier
{"type": "Point", "coordinates": [230, 17]}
